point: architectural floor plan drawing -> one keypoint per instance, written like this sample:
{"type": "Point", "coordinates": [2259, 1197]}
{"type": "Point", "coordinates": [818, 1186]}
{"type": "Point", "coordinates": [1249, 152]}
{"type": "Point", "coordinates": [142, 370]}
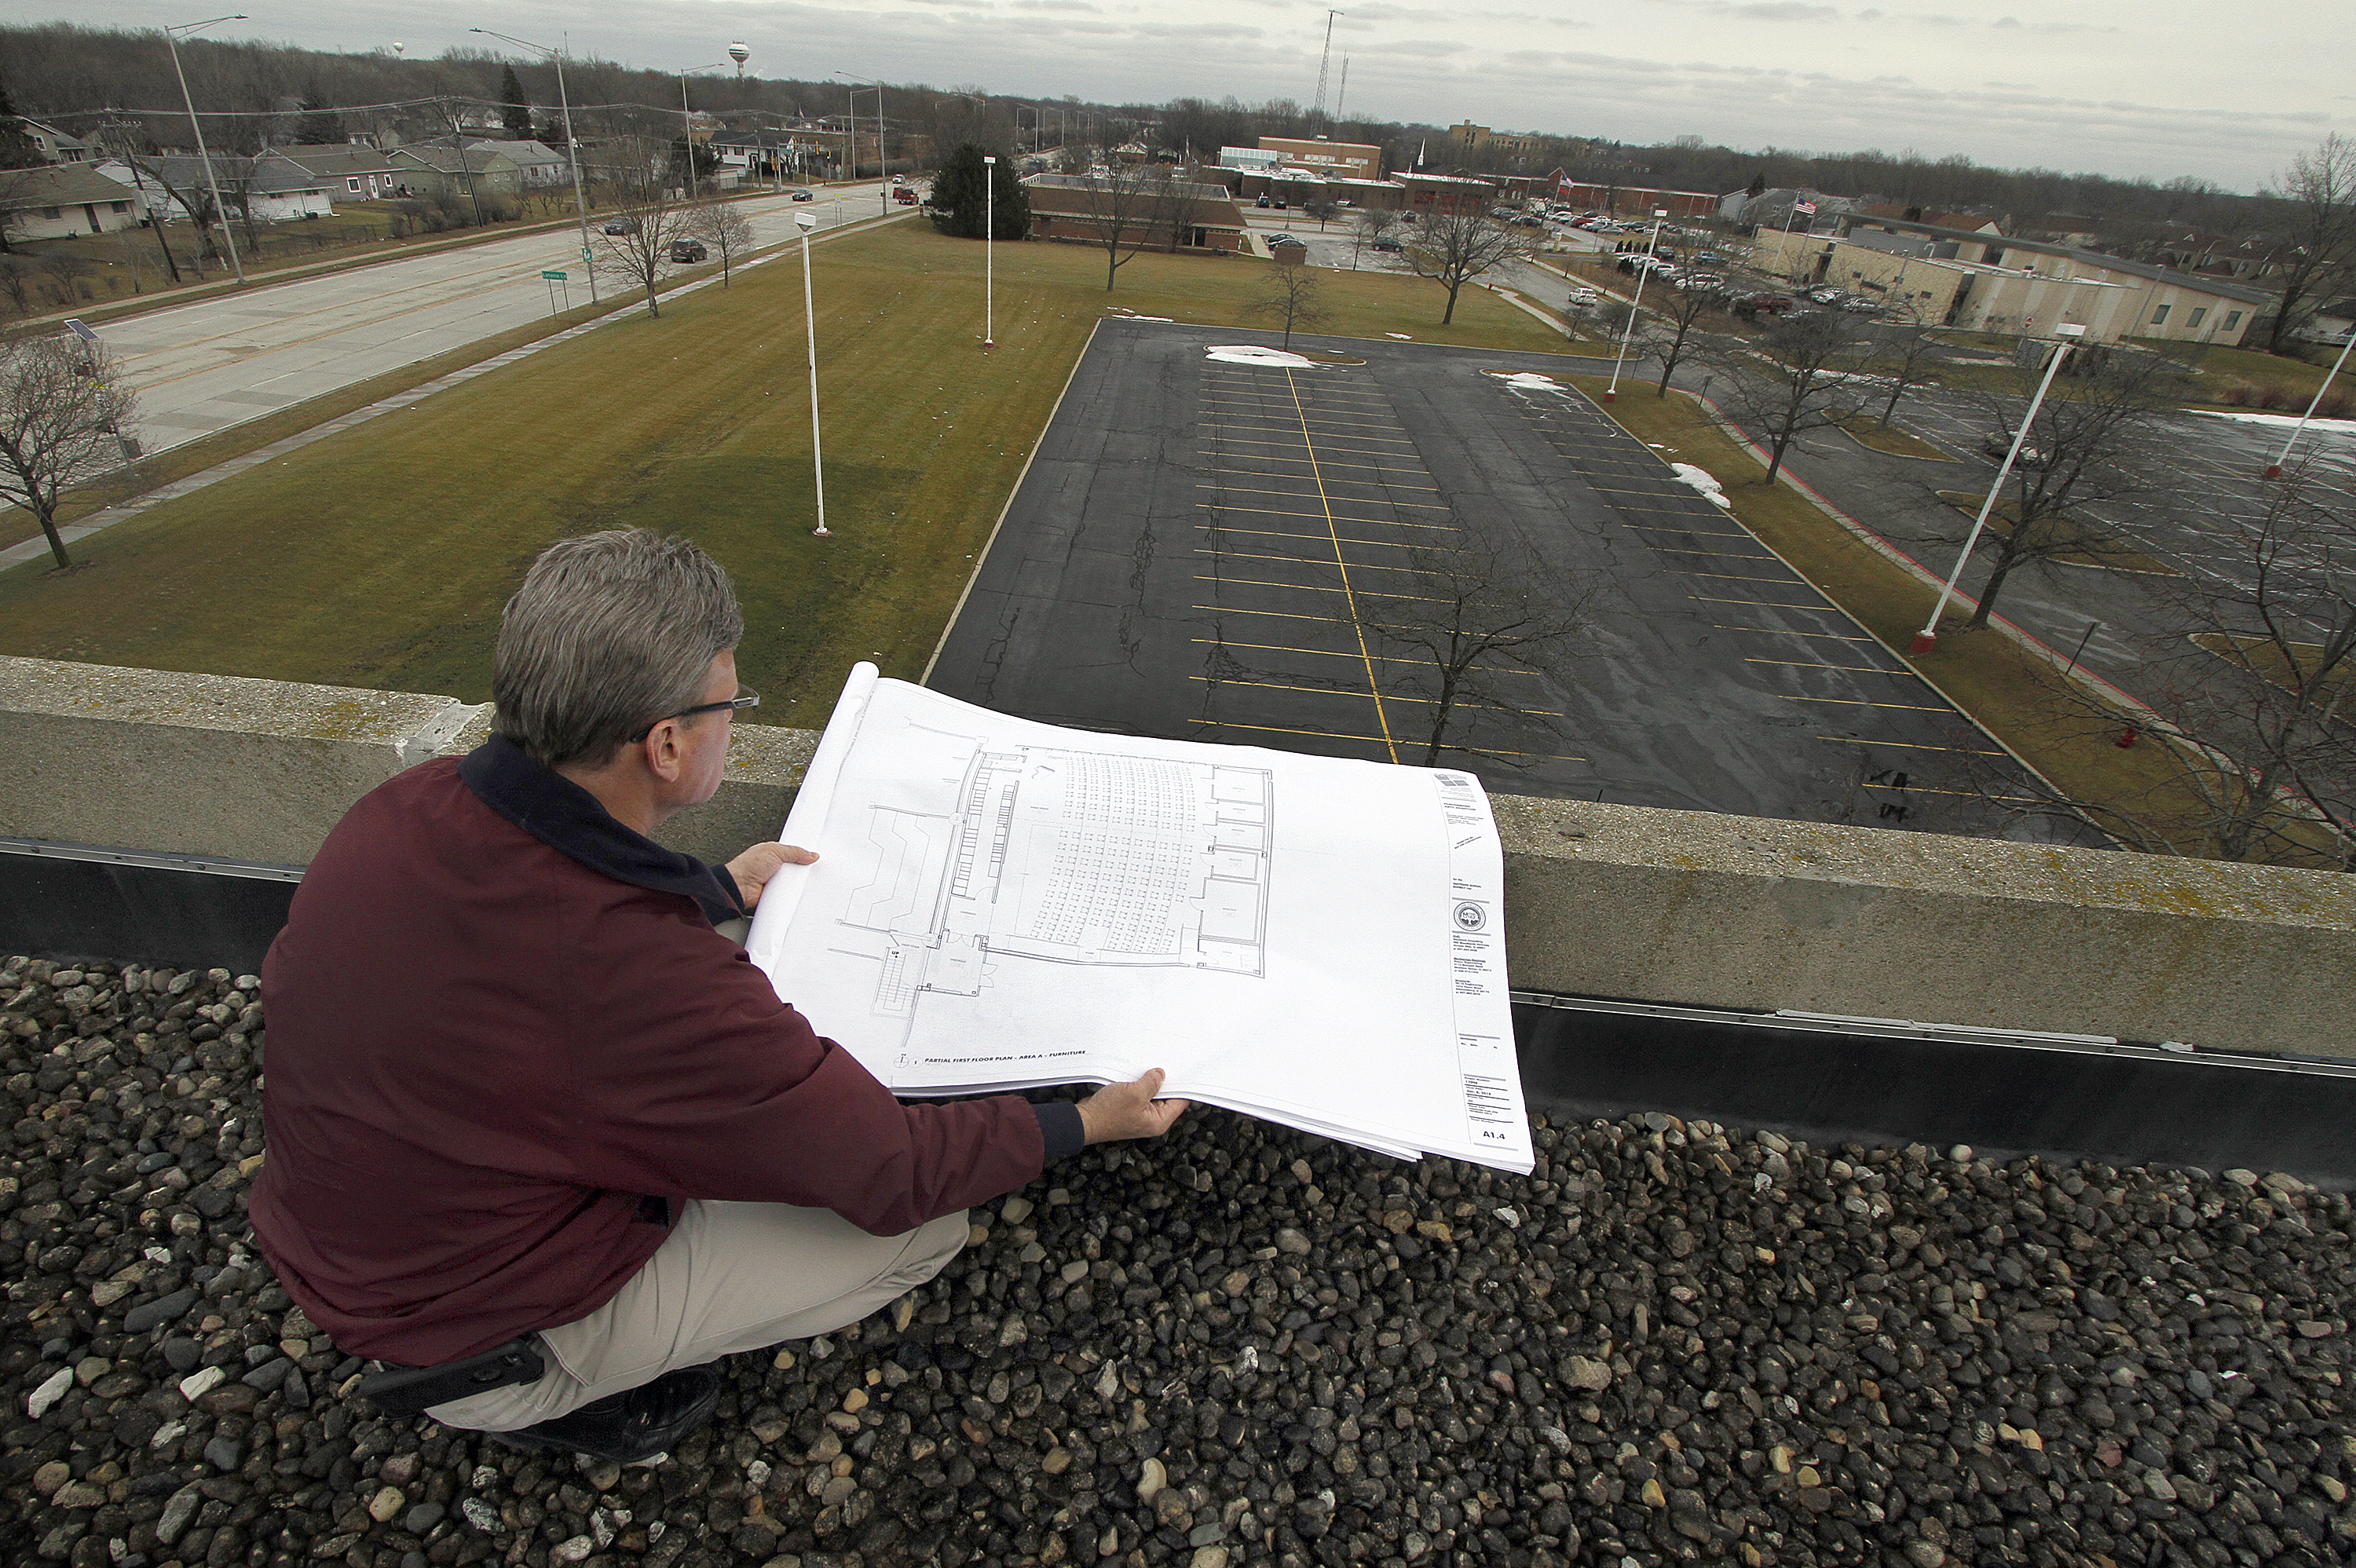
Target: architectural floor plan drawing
{"type": "Point", "coordinates": [1002, 904]}
{"type": "Point", "coordinates": [1064, 856]}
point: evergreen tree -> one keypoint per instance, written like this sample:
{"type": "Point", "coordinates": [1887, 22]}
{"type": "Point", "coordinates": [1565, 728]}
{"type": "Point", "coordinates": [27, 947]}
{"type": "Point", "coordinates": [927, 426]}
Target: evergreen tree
{"type": "Point", "coordinates": [319, 126]}
{"type": "Point", "coordinates": [17, 149]}
{"type": "Point", "coordinates": [960, 190]}
{"type": "Point", "coordinates": [515, 112]}
{"type": "Point", "coordinates": [1758, 184]}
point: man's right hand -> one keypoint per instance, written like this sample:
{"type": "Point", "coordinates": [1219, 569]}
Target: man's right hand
{"type": "Point", "coordinates": [1120, 1111]}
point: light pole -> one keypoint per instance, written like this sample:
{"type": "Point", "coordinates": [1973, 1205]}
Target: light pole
{"type": "Point", "coordinates": [1612, 391]}
{"type": "Point", "coordinates": [988, 233]}
{"type": "Point", "coordinates": [882, 160]}
{"type": "Point", "coordinates": [687, 119]}
{"type": "Point", "coordinates": [806, 222]}
{"type": "Point", "coordinates": [2274, 469]}
{"type": "Point", "coordinates": [171, 41]}
{"type": "Point", "coordinates": [571, 156]}
{"type": "Point", "coordinates": [1928, 637]}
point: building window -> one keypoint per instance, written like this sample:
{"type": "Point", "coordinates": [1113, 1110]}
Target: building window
{"type": "Point", "coordinates": [2193, 321]}
{"type": "Point", "coordinates": [2233, 320]}
{"type": "Point", "coordinates": [2159, 316]}
{"type": "Point", "coordinates": [52, 212]}
{"type": "Point", "coordinates": [118, 206]}
{"type": "Point", "coordinates": [353, 185]}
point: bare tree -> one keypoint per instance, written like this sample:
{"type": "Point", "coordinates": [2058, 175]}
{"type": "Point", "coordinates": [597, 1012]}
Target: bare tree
{"type": "Point", "coordinates": [2247, 672]}
{"type": "Point", "coordinates": [1129, 205]}
{"type": "Point", "coordinates": [63, 421]}
{"type": "Point", "coordinates": [190, 194]}
{"type": "Point", "coordinates": [643, 219]}
{"type": "Point", "coordinates": [1665, 332]}
{"type": "Point", "coordinates": [721, 225]}
{"type": "Point", "coordinates": [1480, 628]}
{"type": "Point", "coordinates": [2074, 456]}
{"type": "Point", "coordinates": [1454, 247]}
{"type": "Point", "coordinates": [1371, 225]}
{"type": "Point", "coordinates": [1797, 377]}
{"type": "Point", "coordinates": [1289, 293]}
{"type": "Point", "coordinates": [2317, 197]}
{"type": "Point", "coordinates": [1903, 351]}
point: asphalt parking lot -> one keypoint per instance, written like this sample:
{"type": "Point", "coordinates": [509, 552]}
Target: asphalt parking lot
{"type": "Point", "coordinates": [1186, 552]}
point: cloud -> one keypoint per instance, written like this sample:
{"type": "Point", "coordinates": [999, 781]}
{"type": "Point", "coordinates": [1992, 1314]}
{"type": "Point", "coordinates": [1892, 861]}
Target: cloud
{"type": "Point", "coordinates": [1055, 5]}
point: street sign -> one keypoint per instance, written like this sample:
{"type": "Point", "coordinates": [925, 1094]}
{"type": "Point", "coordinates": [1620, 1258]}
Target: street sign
{"type": "Point", "coordinates": [78, 330]}
{"type": "Point", "coordinates": [584, 256]}
{"type": "Point", "coordinates": [558, 277]}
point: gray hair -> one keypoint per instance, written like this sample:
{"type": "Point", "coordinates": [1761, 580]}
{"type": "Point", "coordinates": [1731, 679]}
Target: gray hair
{"type": "Point", "coordinates": [610, 632]}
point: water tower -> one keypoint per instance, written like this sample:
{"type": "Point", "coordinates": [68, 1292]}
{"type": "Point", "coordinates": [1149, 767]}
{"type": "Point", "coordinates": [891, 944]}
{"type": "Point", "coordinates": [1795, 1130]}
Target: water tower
{"type": "Point", "coordinates": [740, 54]}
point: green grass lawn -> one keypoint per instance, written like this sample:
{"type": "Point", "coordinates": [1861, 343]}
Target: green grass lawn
{"type": "Point", "coordinates": [379, 557]}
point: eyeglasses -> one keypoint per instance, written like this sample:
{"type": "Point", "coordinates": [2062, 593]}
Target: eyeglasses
{"type": "Point", "coordinates": [747, 697]}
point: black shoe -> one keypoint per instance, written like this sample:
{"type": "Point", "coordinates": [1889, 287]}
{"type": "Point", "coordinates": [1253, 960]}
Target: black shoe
{"type": "Point", "coordinates": [633, 1427]}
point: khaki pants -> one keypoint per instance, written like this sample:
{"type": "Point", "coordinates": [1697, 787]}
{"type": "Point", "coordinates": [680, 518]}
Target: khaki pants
{"type": "Point", "coordinates": [732, 1277]}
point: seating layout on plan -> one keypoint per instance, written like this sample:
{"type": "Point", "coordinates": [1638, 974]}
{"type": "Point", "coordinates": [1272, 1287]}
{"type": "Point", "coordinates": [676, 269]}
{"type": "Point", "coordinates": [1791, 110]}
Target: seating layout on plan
{"type": "Point", "coordinates": [1063, 856]}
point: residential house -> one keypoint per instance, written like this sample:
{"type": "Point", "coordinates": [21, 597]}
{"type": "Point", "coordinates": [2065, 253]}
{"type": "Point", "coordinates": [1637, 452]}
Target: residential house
{"type": "Point", "coordinates": [263, 187]}
{"type": "Point", "coordinates": [53, 145]}
{"type": "Point", "coordinates": [362, 172]}
{"type": "Point", "coordinates": [1203, 217]}
{"type": "Point", "coordinates": [58, 201]}
{"type": "Point", "coordinates": [479, 170]}
{"type": "Point", "coordinates": [538, 165]}
{"type": "Point", "coordinates": [1782, 207]}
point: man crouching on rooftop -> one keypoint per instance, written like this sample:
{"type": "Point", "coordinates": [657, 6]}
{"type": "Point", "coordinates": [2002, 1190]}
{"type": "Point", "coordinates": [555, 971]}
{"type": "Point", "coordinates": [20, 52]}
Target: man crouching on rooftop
{"type": "Point", "coordinates": [541, 1139]}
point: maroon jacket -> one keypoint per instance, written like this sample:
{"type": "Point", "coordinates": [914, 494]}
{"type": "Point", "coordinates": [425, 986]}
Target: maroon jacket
{"type": "Point", "coordinates": [502, 1032]}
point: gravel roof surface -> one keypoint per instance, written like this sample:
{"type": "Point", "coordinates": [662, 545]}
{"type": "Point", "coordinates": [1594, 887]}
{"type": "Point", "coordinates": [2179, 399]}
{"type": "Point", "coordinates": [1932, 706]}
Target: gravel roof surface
{"type": "Point", "coordinates": [1674, 1342]}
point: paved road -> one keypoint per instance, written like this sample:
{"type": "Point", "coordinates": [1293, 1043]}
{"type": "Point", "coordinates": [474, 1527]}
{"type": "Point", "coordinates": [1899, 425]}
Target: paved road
{"type": "Point", "coordinates": [200, 368]}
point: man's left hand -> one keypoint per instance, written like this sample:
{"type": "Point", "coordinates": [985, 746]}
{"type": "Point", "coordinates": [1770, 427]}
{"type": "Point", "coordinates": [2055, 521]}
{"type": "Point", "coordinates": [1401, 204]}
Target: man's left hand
{"type": "Point", "coordinates": [755, 866]}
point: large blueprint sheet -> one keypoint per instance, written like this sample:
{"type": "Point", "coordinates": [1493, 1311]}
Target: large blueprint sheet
{"type": "Point", "coordinates": [1002, 904]}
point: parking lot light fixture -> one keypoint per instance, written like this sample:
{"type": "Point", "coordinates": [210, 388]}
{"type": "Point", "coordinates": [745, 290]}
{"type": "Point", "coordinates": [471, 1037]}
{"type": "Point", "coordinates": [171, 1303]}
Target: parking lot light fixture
{"type": "Point", "coordinates": [572, 155]}
{"type": "Point", "coordinates": [686, 123]}
{"type": "Point", "coordinates": [882, 160]}
{"type": "Point", "coordinates": [2274, 470]}
{"type": "Point", "coordinates": [1612, 392]}
{"type": "Point", "coordinates": [988, 233]}
{"type": "Point", "coordinates": [1928, 637]}
{"type": "Point", "coordinates": [806, 222]}
{"type": "Point", "coordinates": [171, 41]}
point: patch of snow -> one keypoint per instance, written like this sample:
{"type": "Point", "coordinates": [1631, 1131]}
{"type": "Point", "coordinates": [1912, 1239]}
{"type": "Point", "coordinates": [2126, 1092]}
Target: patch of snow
{"type": "Point", "coordinates": [1253, 354]}
{"type": "Point", "coordinates": [1702, 480]}
{"type": "Point", "coordinates": [1531, 381]}
{"type": "Point", "coordinates": [2282, 422]}
{"type": "Point", "coordinates": [1402, 336]}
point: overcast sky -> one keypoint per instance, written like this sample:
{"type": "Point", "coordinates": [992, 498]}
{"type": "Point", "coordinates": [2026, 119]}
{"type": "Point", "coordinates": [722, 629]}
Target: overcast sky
{"type": "Point", "coordinates": [2153, 87]}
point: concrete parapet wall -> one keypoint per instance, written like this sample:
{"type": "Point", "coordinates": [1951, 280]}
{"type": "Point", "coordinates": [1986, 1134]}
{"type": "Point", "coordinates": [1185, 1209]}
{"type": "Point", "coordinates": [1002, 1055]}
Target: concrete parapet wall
{"type": "Point", "coordinates": [1688, 908]}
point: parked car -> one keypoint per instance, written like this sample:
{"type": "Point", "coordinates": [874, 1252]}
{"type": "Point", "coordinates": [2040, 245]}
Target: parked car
{"type": "Point", "coordinates": [1826, 296]}
{"type": "Point", "coordinates": [621, 226]}
{"type": "Point", "coordinates": [1385, 245]}
{"type": "Point", "coordinates": [1714, 258]}
{"type": "Point", "coordinates": [683, 251]}
{"type": "Point", "coordinates": [1280, 239]}
{"type": "Point", "coordinates": [1996, 445]}
{"type": "Point", "coordinates": [1263, 201]}
{"type": "Point", "coordinates": [1581, 297]}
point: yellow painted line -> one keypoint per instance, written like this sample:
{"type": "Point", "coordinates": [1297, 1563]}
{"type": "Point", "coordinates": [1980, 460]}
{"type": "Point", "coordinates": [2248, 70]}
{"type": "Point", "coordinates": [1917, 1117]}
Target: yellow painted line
{"type": "Point", "coordinates": [1714, 554]}
{"type": "Point", "coordinates": [1970, 794]}
{"type": "Point", "coordinates": [1816, 663]}
{"type": "Point", "coordinates": [1297, 588]}
{"type": "Point", "coordinates": [1746, 577]}
{"type": "Point", "coordinates": [1908, 746]}
{"type": "Point", "coordinates": [1352, 696]}
{"type": "Point", "coordinates": [1304, 495]}
{"type": "Point", "coordinates": [1378, 466]}
{"type": "Point", "coordinates": [1255, 474]}
{"type": "Point", "coordinates": [1287, 534]}
{"type": "Point", "coordinates": [1382, 718]}
{"type": "Point", "coordinates": [1270, 430]}
{"type": "Point", "coordinates": [1378, 424]}
{"type": "Point", "coordinates": [1333, 735]}
{"type": "Point", "coordinates": [1861, 702]}
{"type": "Point", "coordinates": [1763, 603]}
{"type": "Point", "coordinates": [1290, 560]}
{"type": "Point", "coordinates": [1335, 654]}
{"type": "Point", "coordinates": [1280, 512]}
{"type": "Point", "coordinates": [1783, 632]}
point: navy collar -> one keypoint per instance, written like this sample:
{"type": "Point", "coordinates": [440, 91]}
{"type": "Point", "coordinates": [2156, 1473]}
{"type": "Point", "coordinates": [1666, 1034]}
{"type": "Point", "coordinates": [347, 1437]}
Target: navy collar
{"type": "Point", "coordinates": [569, 819]}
